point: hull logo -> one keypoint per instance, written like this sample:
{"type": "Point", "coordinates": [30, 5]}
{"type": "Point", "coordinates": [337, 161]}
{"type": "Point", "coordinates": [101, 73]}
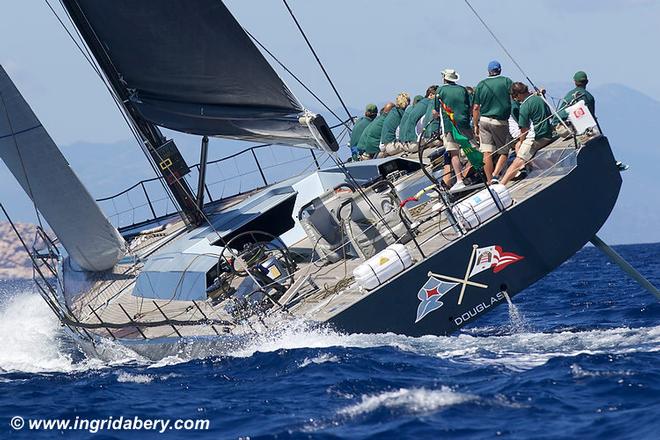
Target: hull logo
{"type": "Point", "coordinates": [481, 259]}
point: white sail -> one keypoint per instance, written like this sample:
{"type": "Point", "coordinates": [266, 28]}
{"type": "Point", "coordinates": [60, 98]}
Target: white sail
{"type": "Point", "coordinates": [45, 175]}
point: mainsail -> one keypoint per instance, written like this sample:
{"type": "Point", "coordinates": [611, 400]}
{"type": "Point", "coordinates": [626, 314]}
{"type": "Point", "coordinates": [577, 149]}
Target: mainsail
{"type": "Point", "coordinates": [45, 175]}
{"type": "Point", "coordinates": [190, 67]}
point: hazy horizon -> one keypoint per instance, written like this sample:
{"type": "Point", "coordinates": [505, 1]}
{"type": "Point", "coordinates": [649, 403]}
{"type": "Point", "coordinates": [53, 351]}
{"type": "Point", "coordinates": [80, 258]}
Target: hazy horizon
{"type": "Point", "coordinates": [372, 51]}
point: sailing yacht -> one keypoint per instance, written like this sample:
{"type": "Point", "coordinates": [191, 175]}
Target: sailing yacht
{"type": "Point", "coordinates": [368, 247]}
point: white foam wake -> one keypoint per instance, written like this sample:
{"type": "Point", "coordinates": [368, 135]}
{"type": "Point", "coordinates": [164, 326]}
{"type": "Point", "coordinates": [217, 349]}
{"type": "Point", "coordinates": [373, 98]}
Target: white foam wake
{"type": "Point", "coordinates": [33, 341]}
{"type": "Point", "coordinates": [409, 400]}
{"type": "Point", "coordinates": [517, 351]}
{"type": "Point", "coordinates": [321, 359]}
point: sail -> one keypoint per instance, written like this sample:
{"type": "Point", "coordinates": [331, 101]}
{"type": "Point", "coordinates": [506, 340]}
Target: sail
{"type": "Point", "coordinates": [190, 67]}
{"type": "Point", "coordinates": [45, 175]}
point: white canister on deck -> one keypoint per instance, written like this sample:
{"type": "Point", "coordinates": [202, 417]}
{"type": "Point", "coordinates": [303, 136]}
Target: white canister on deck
{"type": "Point", "coordinates": [383, 266]}
{"type": "Point", "coordinates": [481, 206]}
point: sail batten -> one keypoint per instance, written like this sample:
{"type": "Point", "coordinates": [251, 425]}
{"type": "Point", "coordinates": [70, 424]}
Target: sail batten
{"type": "Point", "coordinates": [191, 67]}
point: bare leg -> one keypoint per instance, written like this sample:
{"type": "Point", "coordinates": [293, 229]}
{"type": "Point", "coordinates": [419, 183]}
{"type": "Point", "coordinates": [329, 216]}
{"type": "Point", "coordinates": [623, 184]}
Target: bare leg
{"type": "Point", "coordinates": [467, 169]}
{"type": "Point", "coordinates": [501, 163]}
{"type": "Point", "coordinates": [446, 174]}
{"type": "Point", "coordinates": [515, 166]}
{"type": "Point", "coordinates": [456, 165]}
{"type": "Point", "coordinates": [488, 165]}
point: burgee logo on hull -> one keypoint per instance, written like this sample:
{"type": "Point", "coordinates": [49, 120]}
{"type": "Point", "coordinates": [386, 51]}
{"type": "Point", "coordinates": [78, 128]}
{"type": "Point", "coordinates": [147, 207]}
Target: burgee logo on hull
{"type": "Point", "coordinates": [481, 259]}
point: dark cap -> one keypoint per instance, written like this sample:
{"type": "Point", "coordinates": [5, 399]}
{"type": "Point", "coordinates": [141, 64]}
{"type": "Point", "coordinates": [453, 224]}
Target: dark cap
{"type": "Point", "coordinates": [580, 76]}
{"type": "Point", "coordinates": [371, 108]}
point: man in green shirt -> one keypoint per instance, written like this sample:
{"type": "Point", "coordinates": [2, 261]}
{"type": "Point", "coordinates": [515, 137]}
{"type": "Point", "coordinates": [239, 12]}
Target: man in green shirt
{"type": "Point", "coordinates": [369, 115]}
{"type": "Point", "coordinates": [579, 93]}
{"type": "Point", "coordinates": [412, 116]}
{"type": "Point", "coordinates": [490, 112]}
{"type": "Point", "coordinates": [431, 124]}
{"type": "Point", "coordinates": [457, 99]}
{"type": "Point", "coordinates": [389, 145]}
{"type": "Point", "coordinates": [407, 130]}
{"type": "Point", "coordinates": [533, 111]}
{"type": "Point", "coordinates": [370, 140]}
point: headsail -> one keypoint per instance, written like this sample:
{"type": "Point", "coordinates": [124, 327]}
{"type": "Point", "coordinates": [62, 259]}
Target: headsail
{"type": "Point", "coordinates": [192, 68]}
{"type": "Point", "coordinates": [45, 175]}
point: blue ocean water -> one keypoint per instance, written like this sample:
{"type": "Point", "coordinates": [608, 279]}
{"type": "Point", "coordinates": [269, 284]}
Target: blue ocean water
{"type": "Point", "coordinates": [577, 357]}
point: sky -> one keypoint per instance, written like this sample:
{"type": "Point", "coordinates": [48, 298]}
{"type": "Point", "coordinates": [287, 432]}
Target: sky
{"type": "Point", "coordinates": [372, 50]}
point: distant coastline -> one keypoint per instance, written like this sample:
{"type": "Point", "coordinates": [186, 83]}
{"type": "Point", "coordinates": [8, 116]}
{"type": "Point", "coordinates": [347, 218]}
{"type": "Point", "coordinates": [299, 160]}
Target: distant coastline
{"type": "Point", "coordinates": [14, 262]}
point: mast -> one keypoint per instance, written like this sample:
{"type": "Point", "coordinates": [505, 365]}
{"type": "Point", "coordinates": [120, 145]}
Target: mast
{"type": "Point", "coordinates": [162, 152]}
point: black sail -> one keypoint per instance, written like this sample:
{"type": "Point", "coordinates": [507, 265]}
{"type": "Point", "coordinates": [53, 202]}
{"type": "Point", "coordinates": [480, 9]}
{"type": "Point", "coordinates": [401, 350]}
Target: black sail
{"type": "Point", "coordinates": [190, 67]}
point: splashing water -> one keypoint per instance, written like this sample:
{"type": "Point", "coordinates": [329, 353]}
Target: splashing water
{"type": "Point", "coordinates": [33, 341]}
{"type": "Point", "coordinates": [30, 337]}
{"type": "Point", "coordinates": [518, 323]}
{"type": "Point", "coordinates": [578, 341]}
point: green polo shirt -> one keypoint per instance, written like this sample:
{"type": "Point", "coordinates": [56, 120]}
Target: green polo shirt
{"type": "Point", "coordinates": [407, 128]}
{"type": "Point", "coordinates": [358, 128]}
{"type": "Point", "coordinates": [536, 111]}
{"type": "Point", "coordinates": [458, 99]}
{"type": "Point", "coordinates": [431, 125]}
{"type": "Point", "coordinates": [494, 97]}
{"type": "Point", "coordinates": [575, 95]}
{"type": "Point", "coordinates": [370, 140]}
{"type": "Point", "coordinates": [392, 121]}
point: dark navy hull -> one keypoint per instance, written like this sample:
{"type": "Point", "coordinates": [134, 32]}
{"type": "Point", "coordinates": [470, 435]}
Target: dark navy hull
{"type": "Point", "coordinates": [545, 229]}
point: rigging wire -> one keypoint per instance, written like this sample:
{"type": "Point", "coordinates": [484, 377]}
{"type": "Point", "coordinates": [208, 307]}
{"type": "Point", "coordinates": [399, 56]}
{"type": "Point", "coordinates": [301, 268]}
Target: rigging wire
{"type": "Point", "coordinates": [294, 76]}
{"type": "Point", "coordinates": [80, 44]}
{"type": "Point", "coordinates": [84, 53]}
{"type": "Point", "coordinates": [497, 40]}
{"type": "Point", "coordinates": [540, 92]}
{"type": "Point", "coordinates": [311, 48]}
{"type": "Point", "coordinates": [20, 158]}
{"type": "Point", "coordinates": [203, 215]}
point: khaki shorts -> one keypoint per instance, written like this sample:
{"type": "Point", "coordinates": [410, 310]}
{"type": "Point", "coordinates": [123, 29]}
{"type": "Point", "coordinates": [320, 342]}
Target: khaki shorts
{"type": "Point", "coordinates": [449, 142]}
{"type": "Point", "coordinates": [430, 144]}
{"type": "Point", "coordinates": [530, 146]}
{"type": "Point", "coordinates": [410, 147]}
{"type": "Point", "coordinates": [494, 136]}
{"type": "Point", "coordinates": [392, 148]}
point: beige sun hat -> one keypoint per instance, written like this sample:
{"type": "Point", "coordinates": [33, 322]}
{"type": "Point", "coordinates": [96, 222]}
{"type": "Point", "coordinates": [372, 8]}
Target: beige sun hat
{"type": "Point", "coordinates": [450, 75]}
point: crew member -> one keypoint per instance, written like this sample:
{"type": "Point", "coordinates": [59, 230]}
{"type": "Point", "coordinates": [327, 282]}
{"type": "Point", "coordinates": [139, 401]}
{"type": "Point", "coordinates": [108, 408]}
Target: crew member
{"type": "Point", "coordinates": [579, 93]}
{"type": "Point", "coordinates": [533, 111]}
{"type": "Point", "coordinates": [370, 113]}
{"type": "Point", "coordinates": [370, 140]}
{"type": "Point", "coordinates": [431, 125]}
{"type": "Point", "coordinates": [389, 145]}
{"type": "Point", "coordinates": [412, 116]}
{"type": "Point", "coordinates": [491, 111]}
{"type": "Point", "coordinates": [456, 98]}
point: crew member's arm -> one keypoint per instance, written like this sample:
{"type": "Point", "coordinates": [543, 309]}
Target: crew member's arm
{"type": "Point", "coordinates": [476, 113]}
